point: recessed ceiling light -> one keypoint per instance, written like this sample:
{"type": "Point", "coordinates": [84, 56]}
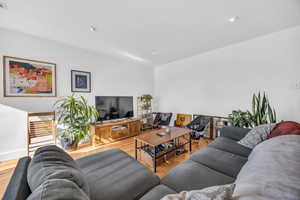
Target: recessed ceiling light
{"type": "Point", "coordinates": [3, 5]}
{"type": "Point", "coordinates": [154, 52]}
{"type": "Point", "coordinates": [93, 28]}
{"type": "Point", "coordinates": [233, 19]}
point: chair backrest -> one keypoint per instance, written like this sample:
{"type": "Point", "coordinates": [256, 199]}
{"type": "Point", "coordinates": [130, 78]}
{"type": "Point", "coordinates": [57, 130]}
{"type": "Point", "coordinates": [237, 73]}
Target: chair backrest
{"type": "Point", "coordinates": [183, 119]}
{"type": "Point", "coordinates": [165, 119]}
{"type": "Point", "coordinates": [41, 130]}
{"type": "Point", "coordinates": [199, 123]}
{"type": "Point", "coordinates": [162, 119]}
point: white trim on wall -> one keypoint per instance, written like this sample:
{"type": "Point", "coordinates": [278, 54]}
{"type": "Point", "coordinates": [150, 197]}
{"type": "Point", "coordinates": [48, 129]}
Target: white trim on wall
{"type": "Point", "coordinates": [10, 155]}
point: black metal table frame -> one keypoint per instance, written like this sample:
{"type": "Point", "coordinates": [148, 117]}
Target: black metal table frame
{"type": "Point", "coordinates": [154, 156]}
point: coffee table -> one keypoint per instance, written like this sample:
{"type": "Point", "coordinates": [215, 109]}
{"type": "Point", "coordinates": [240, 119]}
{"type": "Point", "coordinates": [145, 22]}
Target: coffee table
{"type": "Point", "coordinates": [152, 139]}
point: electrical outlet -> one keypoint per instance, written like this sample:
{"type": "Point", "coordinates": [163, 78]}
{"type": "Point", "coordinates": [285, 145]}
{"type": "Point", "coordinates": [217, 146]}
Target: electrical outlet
{"type": "Point", "coordinates": [298, 85]}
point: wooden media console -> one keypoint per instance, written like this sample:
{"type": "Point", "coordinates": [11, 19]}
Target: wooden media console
{"type": "Point", "coordinates": [108, 132]}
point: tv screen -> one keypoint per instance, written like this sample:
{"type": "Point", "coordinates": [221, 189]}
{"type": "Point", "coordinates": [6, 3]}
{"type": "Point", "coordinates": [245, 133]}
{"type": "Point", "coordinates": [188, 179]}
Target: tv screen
{"type": "Point", "coordinates": [114, 107]}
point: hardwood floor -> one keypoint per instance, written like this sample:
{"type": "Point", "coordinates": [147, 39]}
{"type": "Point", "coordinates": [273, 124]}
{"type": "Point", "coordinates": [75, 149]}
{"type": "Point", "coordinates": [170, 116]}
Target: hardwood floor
{"type": "Point", "coordinates": [127, 145]}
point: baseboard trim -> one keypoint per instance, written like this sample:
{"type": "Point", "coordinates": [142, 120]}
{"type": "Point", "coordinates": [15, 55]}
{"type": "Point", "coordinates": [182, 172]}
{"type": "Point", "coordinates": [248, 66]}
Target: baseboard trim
{"type": "Point", "coordinates": [11, 155]}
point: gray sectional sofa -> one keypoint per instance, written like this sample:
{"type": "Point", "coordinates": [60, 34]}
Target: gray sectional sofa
{"type": "Point", "coordinates": [114, 175]}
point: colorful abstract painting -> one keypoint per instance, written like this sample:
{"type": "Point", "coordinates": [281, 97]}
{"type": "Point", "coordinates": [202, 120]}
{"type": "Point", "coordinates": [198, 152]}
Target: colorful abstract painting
{"type": "Point", "coordinates": [29, 78]}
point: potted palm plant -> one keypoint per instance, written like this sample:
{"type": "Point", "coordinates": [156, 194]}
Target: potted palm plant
{"type": "Point", "coordinates": [74, 115]}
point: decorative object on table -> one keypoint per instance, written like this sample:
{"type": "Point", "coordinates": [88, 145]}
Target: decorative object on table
{"type": "Point", "coordinates": [257, 135]}
{"type": "Point", "coordinates": [167, 129]}
{"type": "Point", "coordinates": [182, 120]}
{"type": "Point", "coordinates": [80, 81]}
{"type": "Point", "coordinates": [262, 113]}
{"type": "Point", "coordinates": [28, 78]}
{"type": "Point", "coordinates": [75, 116]}
{"type": "Point", "coordinates": [144, 111]}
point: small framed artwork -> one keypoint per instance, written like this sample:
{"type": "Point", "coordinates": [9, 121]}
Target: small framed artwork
{"type": "Point", "coordinates": [81, 81]}
{"type": "Point", "coordinates": [28, 78]}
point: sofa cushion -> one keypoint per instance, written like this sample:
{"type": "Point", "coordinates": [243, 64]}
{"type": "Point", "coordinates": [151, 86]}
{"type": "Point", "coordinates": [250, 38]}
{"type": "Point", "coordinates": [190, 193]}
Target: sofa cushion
{"type": "Point", "coordinates": [234, 133]}
{"type": "Point", "coordinates": [257, 135]}
{"type": "Point", "coordinates": [226, 144]}
{"type": "Point", "coordinates": [115, 175]}
{"type": "Point", "coordinates": [58, 189]}
{"type": "Point", "coordinates": [51, 162]}
{"type": "Point", "coordinates": [221, 161]}
{"type": "Point", "coordinates": [191, 175]}
{"type": "Point", "coordinates": [158, 192]}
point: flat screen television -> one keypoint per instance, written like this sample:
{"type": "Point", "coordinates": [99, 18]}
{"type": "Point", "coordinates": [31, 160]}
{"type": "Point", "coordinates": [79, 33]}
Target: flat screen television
{"type": "Point", "coordinates": [114, 107]}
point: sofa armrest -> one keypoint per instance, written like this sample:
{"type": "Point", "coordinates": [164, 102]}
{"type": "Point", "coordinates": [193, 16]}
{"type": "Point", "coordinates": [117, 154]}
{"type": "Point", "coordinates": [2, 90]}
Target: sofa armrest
{"type": "Point", "coordinates": [234, 133]}
{"type": "Point", "coordinates": [18, 188]}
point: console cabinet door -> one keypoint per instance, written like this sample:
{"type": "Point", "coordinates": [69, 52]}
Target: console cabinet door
{"type": "Point", "coordinates": [134, 128]}
{"type": "Point", "coordinates": [103, 132]}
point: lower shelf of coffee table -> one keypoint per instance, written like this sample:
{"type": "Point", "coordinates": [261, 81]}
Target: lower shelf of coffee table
{"type": "Point", "coordinates": [148, 159]}
{"type": "Point", "coordinates": [161, 156]}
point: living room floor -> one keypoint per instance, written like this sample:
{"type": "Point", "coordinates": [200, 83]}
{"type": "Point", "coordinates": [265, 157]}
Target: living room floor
{"type": "Point", "coordinates": [127, 145]}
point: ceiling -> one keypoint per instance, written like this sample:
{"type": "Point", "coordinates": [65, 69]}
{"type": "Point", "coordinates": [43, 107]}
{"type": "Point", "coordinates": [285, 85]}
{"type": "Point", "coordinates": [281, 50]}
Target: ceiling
{"type": "Point", "coordinates": [149, 31]}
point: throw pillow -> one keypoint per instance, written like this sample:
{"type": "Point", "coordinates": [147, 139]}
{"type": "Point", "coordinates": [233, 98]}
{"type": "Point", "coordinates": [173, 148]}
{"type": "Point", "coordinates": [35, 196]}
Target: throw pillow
{"type": "Point", "coordinates": [58, 189]}
{"type": "Point", "coordinates": [221, 192]}
{"type": "Point", "coordinates": [51, 162]}
{"type": "Point", "coordinates": [256, 135]}
{"type": "Point", "coordinates": [272, 171]}
{"type": "Point", "coordinates": [285, 128]}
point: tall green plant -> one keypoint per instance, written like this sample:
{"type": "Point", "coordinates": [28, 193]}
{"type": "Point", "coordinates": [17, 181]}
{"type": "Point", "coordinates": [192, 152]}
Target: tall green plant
{"type": "Point", "coordinates": [262, 112]}
{"type": "Point", "coordinates": [75, 115]}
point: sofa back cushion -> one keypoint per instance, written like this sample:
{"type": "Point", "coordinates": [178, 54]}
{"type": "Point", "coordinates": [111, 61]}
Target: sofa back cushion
{"type": "Point", "coordinates": [285, 128]}
{"type": "Point", "coordinates": [51, 162]}
{"type": "Point", "coordinates": [272, 171]}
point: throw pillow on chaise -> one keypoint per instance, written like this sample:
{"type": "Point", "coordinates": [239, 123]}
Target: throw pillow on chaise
{"type": "Point", "coordinates": [50, 163]}
{"type": "Point", "coordinates": [257, 135]}
{"type": "Point", "coordinates": [285, 128]}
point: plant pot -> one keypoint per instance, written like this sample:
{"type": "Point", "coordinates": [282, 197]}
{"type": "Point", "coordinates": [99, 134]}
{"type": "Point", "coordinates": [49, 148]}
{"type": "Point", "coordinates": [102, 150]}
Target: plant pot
{"type": "Point", "coordinates": [68, 144]}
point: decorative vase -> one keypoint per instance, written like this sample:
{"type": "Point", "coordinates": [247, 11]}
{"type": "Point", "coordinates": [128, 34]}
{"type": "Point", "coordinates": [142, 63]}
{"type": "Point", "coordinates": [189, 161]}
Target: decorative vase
{"type": "Point", "coordinates": [67, 144]}
{"type": "Point", "coordinates": [168, 129]}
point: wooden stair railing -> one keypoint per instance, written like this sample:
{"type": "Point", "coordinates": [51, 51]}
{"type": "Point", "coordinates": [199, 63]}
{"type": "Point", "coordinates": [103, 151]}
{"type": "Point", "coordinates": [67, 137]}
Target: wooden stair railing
{"type": "Point", "coordinates": [41, 130]}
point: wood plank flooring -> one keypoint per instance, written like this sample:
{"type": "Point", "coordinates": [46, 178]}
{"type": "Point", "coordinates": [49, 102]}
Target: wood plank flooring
{"type": "Point", "coordinates": [127, 145]}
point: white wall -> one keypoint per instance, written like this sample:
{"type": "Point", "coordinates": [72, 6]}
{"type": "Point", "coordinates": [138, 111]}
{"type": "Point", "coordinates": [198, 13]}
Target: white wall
{"type": "Point", "coordinates": [219, 81]}
{"type": "Point", "coordinates": [13, 138]}
{"type": "Point", "coordinates": [110, 76]}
